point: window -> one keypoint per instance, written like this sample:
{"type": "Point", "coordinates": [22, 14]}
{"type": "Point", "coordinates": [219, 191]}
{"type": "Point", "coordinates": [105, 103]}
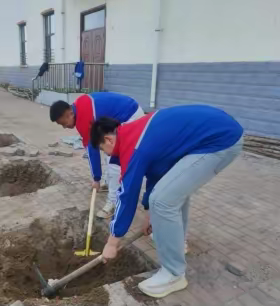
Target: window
{"type": "Point", "coordinates": [22, 40]}
{"type": "Point", "coordinates": [49, 27]}
{"type": "Point", "coordinates": [94, 20]}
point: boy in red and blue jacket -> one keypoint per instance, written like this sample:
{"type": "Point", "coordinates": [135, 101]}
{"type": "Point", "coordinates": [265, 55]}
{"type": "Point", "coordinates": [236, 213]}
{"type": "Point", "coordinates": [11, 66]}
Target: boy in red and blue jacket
{"type": "Point", "coordinates": [82, 114]}
{"type": "Point", "coordinates": [178, 149]}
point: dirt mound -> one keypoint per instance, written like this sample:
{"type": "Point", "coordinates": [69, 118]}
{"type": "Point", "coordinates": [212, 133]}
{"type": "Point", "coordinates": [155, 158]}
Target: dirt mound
{"type": "Point", "coordinates": [50, 245]}
{"type": "Point", "coordinates": [19, 177]}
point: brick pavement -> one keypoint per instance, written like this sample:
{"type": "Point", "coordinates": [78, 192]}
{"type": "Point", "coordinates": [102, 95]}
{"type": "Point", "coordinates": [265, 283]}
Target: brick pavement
{"type": "Point", "coordinates": [235, 218]}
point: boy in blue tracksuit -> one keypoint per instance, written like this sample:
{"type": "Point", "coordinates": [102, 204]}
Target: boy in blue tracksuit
{"type": "Point", "coordinates": [178, 149]}
{"type": "Point", "coordinates": [82, 114]}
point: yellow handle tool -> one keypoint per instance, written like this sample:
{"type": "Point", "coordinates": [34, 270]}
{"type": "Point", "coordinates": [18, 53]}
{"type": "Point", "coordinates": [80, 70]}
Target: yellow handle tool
{"type": "Point", "coordinates": [88, 252]}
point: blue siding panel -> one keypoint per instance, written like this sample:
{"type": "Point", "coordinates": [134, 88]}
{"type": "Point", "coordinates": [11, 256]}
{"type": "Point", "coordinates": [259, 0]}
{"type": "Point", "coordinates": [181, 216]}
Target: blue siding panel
{"type": "Point", "coordinates": [250, 91]}
{"type": "Point", "coordinates": [18, 76]}
{"type": "Point", "coordinates": [132, 80]}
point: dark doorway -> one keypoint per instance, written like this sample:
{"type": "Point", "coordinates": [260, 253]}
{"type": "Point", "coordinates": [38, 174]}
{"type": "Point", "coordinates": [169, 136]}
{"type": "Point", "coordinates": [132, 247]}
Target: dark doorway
{"type": "Point", "coordinates": [93, 47]}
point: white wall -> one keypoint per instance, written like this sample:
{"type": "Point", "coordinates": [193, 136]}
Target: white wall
{"type": "Point", "coordinates": [194, 30]}
{"type": "Point", "coordinates": [11, 13]}
{"type": "Point", "coordinates": [9, 37]}
{"type": "Point", "coordinates": [130, 31]}
{"type": "Point", "coordinates": [220, 30]}
{"type": "Point", "coordinates": [30, 11]}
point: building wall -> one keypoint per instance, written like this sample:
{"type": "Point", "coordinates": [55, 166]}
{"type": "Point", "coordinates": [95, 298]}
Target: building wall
{"type": "Point", "coordinates": [30, 11]}
{"type": "Point", "coordinates": [132, 80]}
{"type": "Point", "coordinates": [11, 13]}
{"type": "Point", "coordinates": [220, 52]}
{"type": "Point", "coordinates": [220, 31]}
{"type": "Point", "coordinates": [250, 91]}
{"type": "Point", "coordinates": [193, 31]}
{"type": "Point", "coordinates": [130, 31]}
{"type": "Point", "coordinates": [18, 76]}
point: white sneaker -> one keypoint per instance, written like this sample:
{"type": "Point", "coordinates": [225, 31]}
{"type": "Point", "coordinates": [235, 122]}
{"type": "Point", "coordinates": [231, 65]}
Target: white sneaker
{"type": "Point", "coordinates": [107, 211]}
{"type": "Point", "coordinates": [186, 244]}
{"type": "Point", "coordinates": [163, 283]}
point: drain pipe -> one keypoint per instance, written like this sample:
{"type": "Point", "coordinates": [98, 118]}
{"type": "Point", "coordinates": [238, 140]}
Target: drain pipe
{"type": "Point", "coordinates": [63, 31]}
{"type": "Point", "coordinates": [158, 29]}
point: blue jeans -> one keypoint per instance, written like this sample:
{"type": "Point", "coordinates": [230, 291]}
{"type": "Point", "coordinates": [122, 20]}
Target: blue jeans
{"type": "Point", "coordinates": [170, 201]}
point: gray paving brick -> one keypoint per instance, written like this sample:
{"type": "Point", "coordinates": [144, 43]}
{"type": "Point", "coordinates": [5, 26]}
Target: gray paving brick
{"type": "Point", "coordinates": [248, 300]}
{"type": "Point", "coordinates": [249, 257]}
{"type": "Point", "coordinates": [218, 255]}
{"type": "Point", "coordinates": [269, 289]}
{"type": "Point", "coordinates": [253, 249]}
{"type": "Point", "coordinates": [204, 296]}
{"type": "Point", "coordinates": [222, 248]}
{"type": "Point", "coordinates": [254, 235]}
{"type": "Point", "coordinates": [276, 283]}
{"type": "Point", "coordinates": [262, 297]}
{"type": "Point", "coordinates": [247, 285]}
{"type": "Point", "coordinates": [271, 259]}
{"type": "Point", "coordinates": [185, 297]}
{"type": "Point", "coordinates": [223, 289]}
{"type": "Point", "coordinates": [233, 247]}
{"type": "Point", "coordinates": [256, 243]}
{"type": "Point", "coordinates": [233, 302]}
{"type": "Point", "coordinates": [273, 244]}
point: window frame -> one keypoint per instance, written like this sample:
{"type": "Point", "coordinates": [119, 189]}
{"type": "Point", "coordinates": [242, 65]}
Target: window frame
{"type": "Point", "coordinates": [48, 34]}
{"type": "Point", "coordinates": [90, 11]}
{"type": "Point", "coordinates": [82, 15]}
{"type": "Point", "coordinates": [22, 43]}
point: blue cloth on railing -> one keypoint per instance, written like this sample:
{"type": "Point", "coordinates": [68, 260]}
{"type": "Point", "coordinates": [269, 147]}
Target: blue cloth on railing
{"type": "Point", "coordinates": [79, 70]}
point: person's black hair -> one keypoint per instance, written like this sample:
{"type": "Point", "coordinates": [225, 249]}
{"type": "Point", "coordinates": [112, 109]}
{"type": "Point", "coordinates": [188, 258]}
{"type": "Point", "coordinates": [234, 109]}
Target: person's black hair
{"type": "Point", "coordinates": [100, 128]}
{"type": "Point", "coordinates": [57, 110]}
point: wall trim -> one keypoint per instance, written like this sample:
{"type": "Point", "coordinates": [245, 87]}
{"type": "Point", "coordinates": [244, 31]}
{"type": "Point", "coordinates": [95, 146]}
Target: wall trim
{"type": "Point", "coordinates": [47, 11]}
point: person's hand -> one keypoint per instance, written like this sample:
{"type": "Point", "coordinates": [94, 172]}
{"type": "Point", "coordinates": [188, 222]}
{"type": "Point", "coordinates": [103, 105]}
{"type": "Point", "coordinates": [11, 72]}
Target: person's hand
{"type": "Point", "coordinates": [96, 185]}
{"type": "Point", "coordinates": [147, 227]}
{"type": "Point", "coordinates": [110, 252]}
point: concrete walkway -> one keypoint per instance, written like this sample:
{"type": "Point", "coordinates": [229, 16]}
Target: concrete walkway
{"type": "Point", "coordinates": [234, 219]}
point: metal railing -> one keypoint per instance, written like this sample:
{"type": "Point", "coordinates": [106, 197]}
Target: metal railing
{"type": "Point", "coordinates": [61, 78]}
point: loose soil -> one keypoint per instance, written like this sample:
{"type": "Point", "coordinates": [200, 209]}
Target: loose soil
{"type": "Point", "coordinates": [131, 286]}
{"type": "Point", "coordinates": [7, 140]}
{"type": "Point", "coordinates": [19, 177]}
{"type": "Point", "coordinates": [50, 244]}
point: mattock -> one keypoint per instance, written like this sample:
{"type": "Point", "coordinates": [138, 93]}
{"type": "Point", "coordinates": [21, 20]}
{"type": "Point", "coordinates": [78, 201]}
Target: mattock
{"type": "Point", "coordinates": [51, 290]}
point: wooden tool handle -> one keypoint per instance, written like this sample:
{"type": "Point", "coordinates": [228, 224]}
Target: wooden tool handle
{"type": "Point", "coordinates": [91, 211]}
{"type": "Point", "coordinates": [85, 268]}
{"type": "Point", "coordinates": [131, 239]}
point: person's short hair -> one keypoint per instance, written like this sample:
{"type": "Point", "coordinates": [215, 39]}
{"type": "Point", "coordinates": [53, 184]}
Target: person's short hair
{"type": "Point", "coordinates": [100, 128]}
{"type": "Point", "coordinates": [57, 110]}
